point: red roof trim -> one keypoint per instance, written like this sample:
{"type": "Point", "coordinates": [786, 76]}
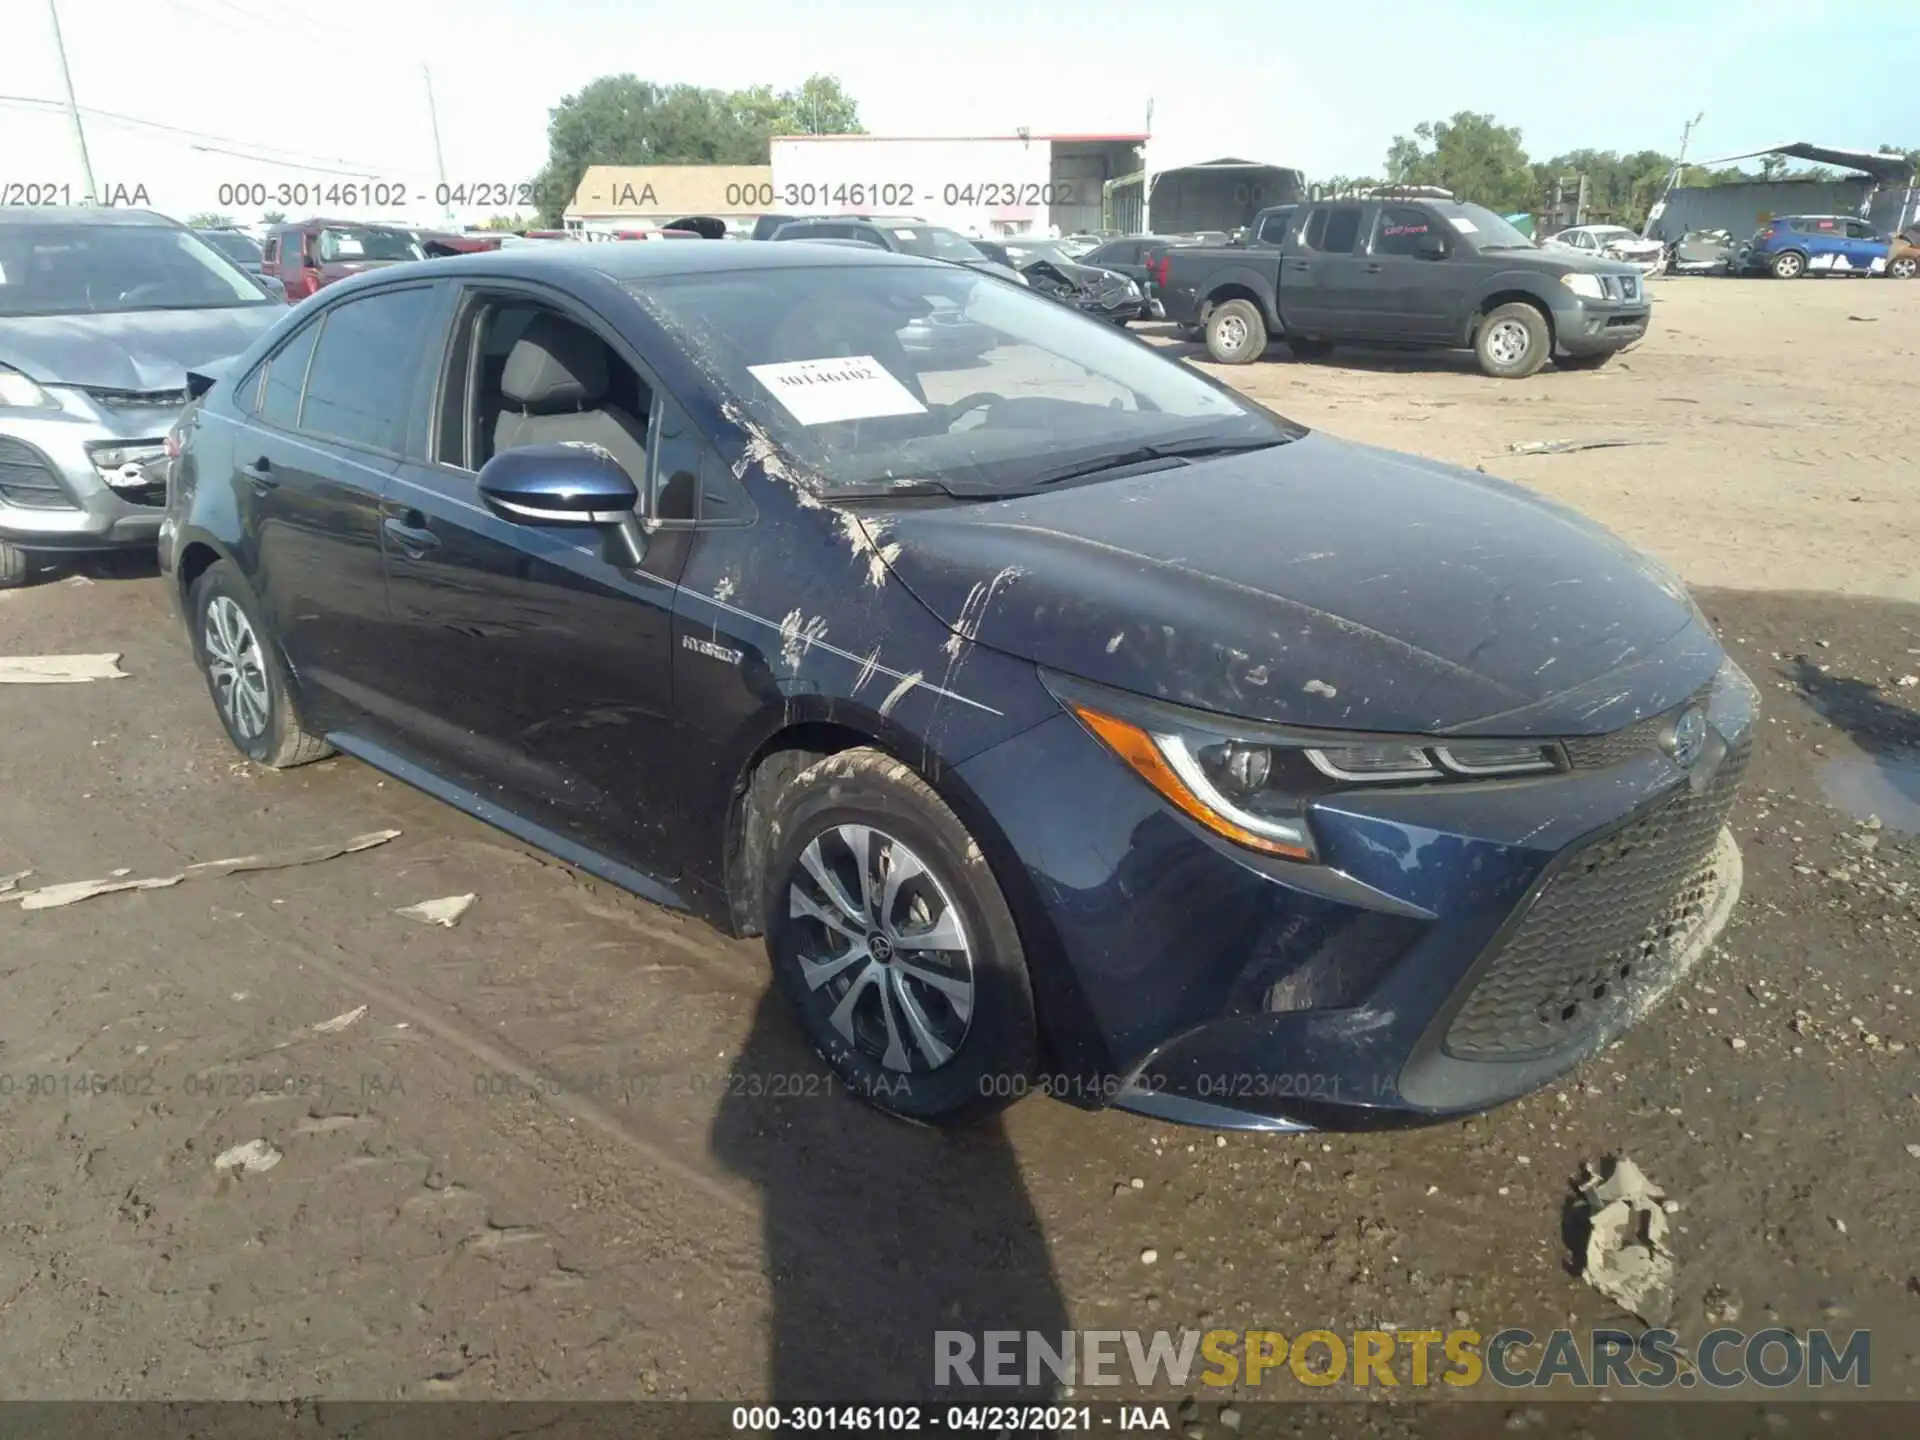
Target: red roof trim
{"type": "Point", "coordinates": [1135, 138]}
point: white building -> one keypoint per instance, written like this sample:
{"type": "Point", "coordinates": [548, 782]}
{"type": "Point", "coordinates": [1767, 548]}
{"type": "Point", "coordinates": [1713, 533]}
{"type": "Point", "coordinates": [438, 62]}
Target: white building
{"type": "Point", "coordinates": [984, 185]}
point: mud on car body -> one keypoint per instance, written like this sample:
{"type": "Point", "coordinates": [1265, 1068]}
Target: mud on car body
{"type": "Point", "coordinates": [1059, 713]}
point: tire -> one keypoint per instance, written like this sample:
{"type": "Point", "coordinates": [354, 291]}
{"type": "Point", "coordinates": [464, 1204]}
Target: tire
{"type": "Point", "coordinates": [1583, 362]}
{"type": "Point", "coordinates": [1904, 268]}
{"type": "Point", "coordinates": [245, 675]}
{"type": "Point", "coordinates": [1236, 333]}
{"type": "Point", "coordinates": [15, 566]}
{"type": "Point", "coordinates": [1513, 341]}
{"type": "Point", "coordinates": [1307, 348]}
{"type": "Point", "coordinates": [1789, 265]}
{"type": "Point", "coordinates": [973, 1043]}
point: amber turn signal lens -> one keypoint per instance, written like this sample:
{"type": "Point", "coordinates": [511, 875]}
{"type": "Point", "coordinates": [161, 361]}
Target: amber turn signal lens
{"type": "Point", "coordinates": [1137, 748]}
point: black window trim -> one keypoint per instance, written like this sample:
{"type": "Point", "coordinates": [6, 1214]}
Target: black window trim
{"type": "Point", "coordinates": [472, 294]}
{"type": "Point", "coordinates": [257, 377]}
{"type": "Point", "coordinates": [314, 437]}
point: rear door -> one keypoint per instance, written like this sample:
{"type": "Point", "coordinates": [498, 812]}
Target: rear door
{"type": "Point", "coordinates": [312, 463]}
{"type": "Point", "coordinates": [535, 671]}
{"type": "Point", "coordinates": [1320, 273]}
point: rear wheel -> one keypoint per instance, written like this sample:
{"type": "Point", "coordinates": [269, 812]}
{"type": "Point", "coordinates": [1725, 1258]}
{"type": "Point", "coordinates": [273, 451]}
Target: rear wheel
{"type": "Point", "coordinates": [1789, 265]}
{"type": "Point", "coordinates": [1307, 348]}
{"type": "Point", "coordinates": [14, 566]}
{"type": "Point", "coordinates": [892, 940]}
{"type": "Point", "coordinates": [244, 674]}
{"type": "Point", "coordinates": [1236, 333]}
{"type": "Point", "coordinates": [1512, 341]}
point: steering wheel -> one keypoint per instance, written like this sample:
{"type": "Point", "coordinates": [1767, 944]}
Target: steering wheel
{"type": "Point", "coordinates": [967, 404]}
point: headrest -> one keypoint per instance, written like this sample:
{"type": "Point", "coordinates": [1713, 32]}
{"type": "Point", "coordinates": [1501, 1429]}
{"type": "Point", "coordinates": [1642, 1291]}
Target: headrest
{"type": "Point", "coordinates": [555, 365]}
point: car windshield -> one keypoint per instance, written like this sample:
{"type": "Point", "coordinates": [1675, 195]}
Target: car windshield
{"type": "Point", "coordinates": [1025, 252]}
{"type": "Point", "coordinates": [838, 365]}
{"type": "Point", "coordinates": [935, 243]}
{"type": "Point", "coordinates": [77, 269]}
{"type": "Point", "coordinates": [239, 248]}
{"type": "Point", "coordinates": [355, 243]}
{"type": "Point", "coordinates": [1485, 229]}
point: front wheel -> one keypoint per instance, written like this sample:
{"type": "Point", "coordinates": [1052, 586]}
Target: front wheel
{"type": "Point", "coordinates": [1236, 333]}
{"type": "Point", "coordinates": [1512, 342]}
{"type": "Point", "coordinates": [892, 940]}
{"type": "Point", "coordinates": [1789, 265]}
{"type": "Point", "coordinates": [14, 566]}
{"type": "Point", "coordinates": [1904, 268]}
{"type": "Point", "coordinates": [244, 674]}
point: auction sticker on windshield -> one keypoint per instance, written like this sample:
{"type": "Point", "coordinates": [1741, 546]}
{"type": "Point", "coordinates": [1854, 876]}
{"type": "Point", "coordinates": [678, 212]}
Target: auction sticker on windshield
{"type": "Point", "coordinates": [823, 392]}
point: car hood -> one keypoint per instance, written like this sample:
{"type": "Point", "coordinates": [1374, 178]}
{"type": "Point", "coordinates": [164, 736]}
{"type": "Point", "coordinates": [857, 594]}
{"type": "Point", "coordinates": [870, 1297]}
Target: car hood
{"type": "Point", "coordinates": [1319, 582]}
{"type": "Point", "coordinates": [1558, 261]}
{"type": "Point", "coordinates": [141, 350]}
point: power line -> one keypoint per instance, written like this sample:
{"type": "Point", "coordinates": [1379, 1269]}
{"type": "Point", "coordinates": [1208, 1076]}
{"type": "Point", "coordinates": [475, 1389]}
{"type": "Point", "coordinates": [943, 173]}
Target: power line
{"type": "Point", "coordinates": [242, 148]}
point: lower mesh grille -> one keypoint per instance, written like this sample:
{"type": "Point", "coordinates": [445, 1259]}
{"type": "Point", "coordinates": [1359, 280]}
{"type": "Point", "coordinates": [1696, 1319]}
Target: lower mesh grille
{"type": "Point", "coordinates": [1610, 925]}
{"type": "Point", "coordinates": [27, 480]}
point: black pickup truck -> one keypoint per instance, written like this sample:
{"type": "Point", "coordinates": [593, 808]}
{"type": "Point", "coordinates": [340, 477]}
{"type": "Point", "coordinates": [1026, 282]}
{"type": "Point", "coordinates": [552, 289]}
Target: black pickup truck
{"type": "Point", "coordinates": [1412, 272]}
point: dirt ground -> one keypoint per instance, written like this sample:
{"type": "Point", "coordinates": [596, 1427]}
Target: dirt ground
{"type": "Point", "coordinates": [573, 1148]}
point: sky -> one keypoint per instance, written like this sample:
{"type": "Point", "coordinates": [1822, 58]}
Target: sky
{"type": "Point", "coordinates": [308, 90]}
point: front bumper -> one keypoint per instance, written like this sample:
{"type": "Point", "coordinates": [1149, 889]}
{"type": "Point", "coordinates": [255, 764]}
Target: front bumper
{"type": "Point", "coordinates": [53, 494]}
{"type": "Point", "coordinates": [1456, 947]}
{"type": "Point", "coordinates": [1595, 328]}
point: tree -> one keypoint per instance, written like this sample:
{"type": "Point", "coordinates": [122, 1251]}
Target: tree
{"type": "Point", "coordinates": [1620, 188]}
{"type": "Point", "coordinates": [207, 220]}
{"type": "Point", "coordinates": [273, 217]}
{"type": "Point", "coordinates": [624, 120]}
{"type": "Point", "coordinates": [1471, 155]}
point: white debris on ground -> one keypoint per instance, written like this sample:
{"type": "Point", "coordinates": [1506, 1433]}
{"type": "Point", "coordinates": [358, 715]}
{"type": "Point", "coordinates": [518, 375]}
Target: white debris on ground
{"type": "Point", "coordinates": [59, 669]}
{"type": "Point", "coordinates": [339, 1022]}
{"type": "Point", "coordinates": [72, 892]}
{"type": "Point", "coordinates": [251, 1158]}
{"type": "Point", "coordinates": [444, 912]}
{"type": "Point", "coordinates": [1628, 1260]}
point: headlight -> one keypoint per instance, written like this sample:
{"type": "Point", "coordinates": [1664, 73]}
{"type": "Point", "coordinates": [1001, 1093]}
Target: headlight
{"type": "Point", "coordinates": [1252, 784]}
{"type": "Point", "coordinates": [17, 392]}
{"type": "Point", "coordinates": [1582, 284]}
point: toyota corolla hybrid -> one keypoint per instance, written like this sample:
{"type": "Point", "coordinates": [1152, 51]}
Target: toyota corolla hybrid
{"type": "Point", "coordinates": [1063, 719]}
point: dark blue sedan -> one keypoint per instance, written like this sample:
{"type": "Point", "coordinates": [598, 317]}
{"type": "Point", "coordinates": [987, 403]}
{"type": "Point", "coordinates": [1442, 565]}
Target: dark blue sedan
{"type": "Point", "coordinates": [1064, 720]}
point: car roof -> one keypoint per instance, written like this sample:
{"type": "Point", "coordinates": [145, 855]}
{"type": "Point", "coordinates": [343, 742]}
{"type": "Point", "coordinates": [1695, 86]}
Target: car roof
{"type": "Point", "coordinates": [626, 261]}
{"type": "Point", "coordinates": [85, 215]}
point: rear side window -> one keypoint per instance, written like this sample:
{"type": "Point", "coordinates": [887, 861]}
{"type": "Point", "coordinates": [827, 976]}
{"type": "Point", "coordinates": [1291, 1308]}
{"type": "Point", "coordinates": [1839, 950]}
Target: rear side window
{"type": "Point", "coordinates": [363, 369]}
{"type": "Point", "coordinates": [1401, 229]}
{"type": "Point", "coordinates": [287, 378]}
{"type": "Point", "coordinates": [1332, 230]}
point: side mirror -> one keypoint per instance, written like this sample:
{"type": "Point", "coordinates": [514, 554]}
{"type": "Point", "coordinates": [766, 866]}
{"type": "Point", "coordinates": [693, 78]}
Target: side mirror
{"type": "Point", "coordinates": [1431, 247]}
{"type": "Point", "coordinates": [559, 484]}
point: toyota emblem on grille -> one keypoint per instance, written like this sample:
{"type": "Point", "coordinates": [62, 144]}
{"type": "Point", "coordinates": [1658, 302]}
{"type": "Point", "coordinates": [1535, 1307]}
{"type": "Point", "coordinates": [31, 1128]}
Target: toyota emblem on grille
{"type": "Point", "coordinates": [1689, 737]}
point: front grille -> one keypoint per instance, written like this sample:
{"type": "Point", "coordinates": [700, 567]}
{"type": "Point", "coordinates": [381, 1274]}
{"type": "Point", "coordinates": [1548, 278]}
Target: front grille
{"type": "Point", "coordinates": [1596, 752]}
{"type": "Point", "coordinates": [140, 399]}
{"type": "Point", "coordinates": [28, 481]}
{"type": "Point", "coordinates": [1608, 926]}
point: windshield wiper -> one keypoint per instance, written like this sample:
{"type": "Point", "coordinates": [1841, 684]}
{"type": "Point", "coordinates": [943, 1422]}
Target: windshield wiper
{"type": "Point", "coordinates": [1198, 449]}
{"type": "Point", "coordinates": [906, 490]}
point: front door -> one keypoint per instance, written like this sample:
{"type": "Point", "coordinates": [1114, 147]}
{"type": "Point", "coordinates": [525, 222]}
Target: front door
{"type": "Point", "coordinates": [1403, 290]}
{"type": "Point", "coordinates": [312, 463]}
{"type": "Point", "coordinates": [531, 665]}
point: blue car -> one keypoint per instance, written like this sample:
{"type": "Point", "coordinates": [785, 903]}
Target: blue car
{"type": "Point", "coordinates": [1790, 246]}
{"type": "Point", "coordinates": [1065, 721]}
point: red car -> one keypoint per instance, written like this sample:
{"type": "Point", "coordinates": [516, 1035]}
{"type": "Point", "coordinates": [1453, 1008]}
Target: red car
{"type": "Point", "coordinates": [308, 255]}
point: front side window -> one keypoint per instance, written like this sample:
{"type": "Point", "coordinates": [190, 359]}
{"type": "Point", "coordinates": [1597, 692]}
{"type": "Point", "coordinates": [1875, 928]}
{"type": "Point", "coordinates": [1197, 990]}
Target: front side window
{"type": "Point", "coordinates": [363, 368]}
{"type": "Point", "coordinates": [1860, 230]}
{"type": "Point", "coordinates": [63, 268]}
{"type": "Point", "coordinates": [1273, 229]}
{"type": "Point", "coordinates": [1401, 230]}
{"type": "Point", "coordinates": [886, 375]}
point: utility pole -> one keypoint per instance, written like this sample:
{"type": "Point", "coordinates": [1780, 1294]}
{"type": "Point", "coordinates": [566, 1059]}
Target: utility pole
{"type": "Point", "coordinates": [439, 157]}
{"type": "Point", "coordinates": [90, 196]}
